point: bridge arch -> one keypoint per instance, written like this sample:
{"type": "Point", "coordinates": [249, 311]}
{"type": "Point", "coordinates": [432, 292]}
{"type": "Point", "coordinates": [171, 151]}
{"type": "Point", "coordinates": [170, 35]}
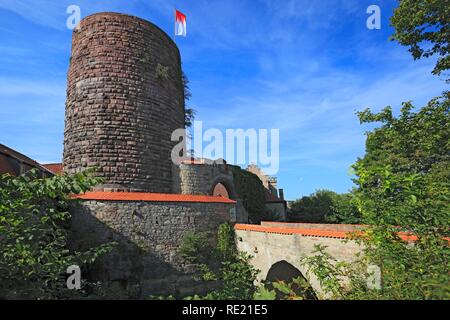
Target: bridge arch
{"type": "Point", "coordinates": [270, 243]}
{"type": "Point", "coordinates": [285, 271]}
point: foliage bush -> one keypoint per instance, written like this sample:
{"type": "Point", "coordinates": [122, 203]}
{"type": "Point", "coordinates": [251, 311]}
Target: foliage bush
{"type": "Point", "coordinates": [197, 247]}
{"type": "Point", "coordinates": [34, 254]}
{"type": "Point", "coordinates": [325, 206]}
{"type": "Point", "coordinates": [344, 210]}
{"type": "Point", "coordinates": [424, 26]}
{"type": "Point", "coordinates": [218, 259]}
{"type": "Point", "coordinates": [403, 185]}
{"type": "Point", "coordinates": [297, 289]}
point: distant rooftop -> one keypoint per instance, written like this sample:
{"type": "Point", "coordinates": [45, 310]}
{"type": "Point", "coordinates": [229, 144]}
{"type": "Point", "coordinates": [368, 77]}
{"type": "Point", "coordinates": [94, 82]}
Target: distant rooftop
{"type": "Point", "coordinates": [56, 168]}
{"type": "Point", "coordinates": [16, 163]}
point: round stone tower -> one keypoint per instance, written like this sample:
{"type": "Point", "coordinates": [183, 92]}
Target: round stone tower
{"type": "Point", "coordinates": [124, 99]}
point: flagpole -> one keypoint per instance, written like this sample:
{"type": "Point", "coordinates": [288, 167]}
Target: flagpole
{"type": "Point", "coordinates": [175, 24]}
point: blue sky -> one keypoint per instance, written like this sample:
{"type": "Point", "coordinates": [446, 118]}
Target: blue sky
{"type": "Point", "coordinates": [301, 66]}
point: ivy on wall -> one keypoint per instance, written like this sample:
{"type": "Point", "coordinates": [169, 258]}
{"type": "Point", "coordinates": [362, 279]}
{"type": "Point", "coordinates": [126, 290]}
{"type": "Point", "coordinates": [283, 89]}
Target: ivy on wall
{"type": "Point", "coordinates": [218, 259]}
{"type": "Point", "coordinates": [251, 191]}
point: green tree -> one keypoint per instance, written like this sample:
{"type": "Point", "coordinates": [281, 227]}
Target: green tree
{"type": "Point", "coordinates": [424, 26]}
{"type": "Point", "coordinates": [313, 208]}
{"type": "Point", "coordinates": [403, 185]}
{"type": "Point", "coordinates": [296, 289]}
{"type": "Point", "coordinates": [325, 206]}
{"type": "Point", "coordinates": [189, 112]}
{"type": "Point", "coordinates": [34, 253]}
{"type": "Point", "coordinates": [344, 210]}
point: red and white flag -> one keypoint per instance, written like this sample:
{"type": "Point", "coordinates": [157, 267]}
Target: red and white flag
{"type": "Point", "coordinates": [180, 24]}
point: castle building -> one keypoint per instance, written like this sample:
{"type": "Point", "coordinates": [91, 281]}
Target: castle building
{"type": "Point", "coordinates": [275, 202]}
{"type": "Point", "coordinates": [125, 98]}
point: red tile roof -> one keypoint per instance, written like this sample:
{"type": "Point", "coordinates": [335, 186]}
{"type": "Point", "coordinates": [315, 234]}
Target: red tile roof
{"type": "Point", "coordinates": [56, 168]}
{"type": "Point", "coordinates": [304, 232]}
{"type": "Point", "coordinates": [151, 197]}
{"type": "Point", "coordinates": [323, 226]}
{"type": "Point", "coordinates": [312, 232]}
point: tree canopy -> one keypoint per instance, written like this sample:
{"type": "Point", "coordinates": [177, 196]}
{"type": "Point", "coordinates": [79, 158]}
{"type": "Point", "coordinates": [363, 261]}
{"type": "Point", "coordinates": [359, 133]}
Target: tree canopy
{"type": "Point", "coordinates": [403, 185]}
{"type": "Point", "coordinates": [325, 206]}
{"type": "Point", "coordinates": [424, 26]}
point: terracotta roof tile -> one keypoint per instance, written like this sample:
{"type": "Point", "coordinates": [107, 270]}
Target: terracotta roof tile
{"type": "Point", "coordinates": [325, 224]}
{"type": "Point", "coordinates": [304, 232]}
{"type": "Point", "coordinates": [312, 232]}
{"type": "Point", "coordinates": [56, 168]}
{"type": "Point", "coordinates": [151, 197]}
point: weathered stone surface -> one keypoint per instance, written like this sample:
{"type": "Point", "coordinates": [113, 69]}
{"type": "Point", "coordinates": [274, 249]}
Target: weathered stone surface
{"type": "Point", "coordinates": [120, 111]}
{"type": "Point", "coordinates": [149, 235]}
{"type": "Point", "coordinates": [124, 100]}
{"type": "Point", "coordinates": [268, 249]}
{"type": "Point", "coordinates": [202, 178]}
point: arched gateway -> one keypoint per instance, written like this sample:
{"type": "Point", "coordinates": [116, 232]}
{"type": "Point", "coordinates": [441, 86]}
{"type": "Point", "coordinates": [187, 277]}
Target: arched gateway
{"type": "Point", "coordinates": [284, 271]}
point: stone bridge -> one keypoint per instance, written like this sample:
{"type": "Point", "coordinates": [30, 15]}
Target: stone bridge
{"type": "Point", "coordinates": [277, 247]}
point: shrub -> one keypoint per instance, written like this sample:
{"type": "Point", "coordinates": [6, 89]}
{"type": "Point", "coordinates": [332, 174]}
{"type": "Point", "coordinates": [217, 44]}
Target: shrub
{"type": "Point", "coordinates": [218, 259]}
{"type": "Point", "coordinates": [34, 254]}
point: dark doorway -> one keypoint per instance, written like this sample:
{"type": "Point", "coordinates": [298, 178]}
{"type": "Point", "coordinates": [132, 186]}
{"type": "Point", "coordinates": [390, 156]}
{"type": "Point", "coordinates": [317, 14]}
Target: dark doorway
{"type": "Point", "coordinates": [284, 271]}
{"type": "Point", "coordinates": [220, 190]}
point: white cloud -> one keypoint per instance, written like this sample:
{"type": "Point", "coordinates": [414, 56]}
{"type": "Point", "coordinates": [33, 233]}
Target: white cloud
{"type": "Point", "coordinates": [316, 112]}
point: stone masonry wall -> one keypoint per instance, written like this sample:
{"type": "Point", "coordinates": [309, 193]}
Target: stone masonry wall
{"type": "Point", "coordinates": [124, 99]}
{"type": "Point", "coordinates": [201, 178]}
{"type": "Point", "coordinates": [146, 260]}
{"type": "Point", "coordinates": [267, 249]}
